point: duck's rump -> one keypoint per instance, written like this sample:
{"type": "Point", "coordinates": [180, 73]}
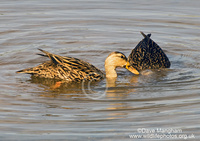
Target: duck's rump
{"type": "Point", "coordinates": [148, 55]}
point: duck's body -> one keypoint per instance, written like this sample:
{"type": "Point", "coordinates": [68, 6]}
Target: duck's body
{"type": "Point", "coordinates": [73, 69]}
{"type": "Point", "coordinates": [148, 55]}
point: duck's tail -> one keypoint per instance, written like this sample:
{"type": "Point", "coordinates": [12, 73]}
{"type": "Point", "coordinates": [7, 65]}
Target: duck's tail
{"type": "Point", "coordinates": [34, 69]}
{"type": "Point", "coordinates": [29, 71]}
{"type": "Point", "coordinates": [144, 35]}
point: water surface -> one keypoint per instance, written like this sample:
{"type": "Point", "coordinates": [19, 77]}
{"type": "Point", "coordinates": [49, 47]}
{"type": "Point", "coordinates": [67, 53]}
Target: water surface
{"type": "Point", "coordinates": [90, 30]}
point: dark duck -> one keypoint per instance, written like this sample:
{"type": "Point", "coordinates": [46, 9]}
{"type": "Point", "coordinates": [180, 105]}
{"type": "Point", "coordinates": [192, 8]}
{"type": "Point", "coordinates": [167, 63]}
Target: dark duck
{"type": "Point", "coordinates": [148, 55]}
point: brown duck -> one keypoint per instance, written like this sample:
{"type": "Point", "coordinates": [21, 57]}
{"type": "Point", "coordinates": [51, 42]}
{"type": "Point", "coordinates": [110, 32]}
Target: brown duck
{"type": "Point", "coordinates": [74, 70]}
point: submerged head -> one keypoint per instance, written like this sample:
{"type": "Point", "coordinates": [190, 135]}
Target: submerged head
{"type": "Point", "coordinates": [114, 60]}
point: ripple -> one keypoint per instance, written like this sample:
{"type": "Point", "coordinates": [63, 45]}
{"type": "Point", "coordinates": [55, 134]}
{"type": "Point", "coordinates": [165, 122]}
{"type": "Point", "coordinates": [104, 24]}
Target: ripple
{"type": "Point", "coordinates": [90, 30]}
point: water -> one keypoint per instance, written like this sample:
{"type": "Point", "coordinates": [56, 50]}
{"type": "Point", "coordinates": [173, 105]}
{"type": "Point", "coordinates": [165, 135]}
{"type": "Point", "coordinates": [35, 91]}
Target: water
{"type": "Point", "coordinates": [90, 30]}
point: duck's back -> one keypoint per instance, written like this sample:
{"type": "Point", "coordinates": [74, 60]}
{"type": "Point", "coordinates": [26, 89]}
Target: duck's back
{"type": "Point", "coordinates": [148, 55]}
{"type": "Point", "coordinates": [65, 68]}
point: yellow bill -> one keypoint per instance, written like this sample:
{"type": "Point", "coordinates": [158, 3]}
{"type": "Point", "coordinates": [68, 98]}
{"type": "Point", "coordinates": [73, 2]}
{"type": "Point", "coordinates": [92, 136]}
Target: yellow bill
{"type": "Point", "coordinates": [131, 69]}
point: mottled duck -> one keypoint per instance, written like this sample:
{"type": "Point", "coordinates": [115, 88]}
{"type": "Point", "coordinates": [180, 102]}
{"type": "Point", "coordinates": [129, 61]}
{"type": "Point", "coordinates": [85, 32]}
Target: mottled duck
{"type": "Point", "coordinates": [74, 70]}
{"type": "Point", "coordinates": [148, 55]}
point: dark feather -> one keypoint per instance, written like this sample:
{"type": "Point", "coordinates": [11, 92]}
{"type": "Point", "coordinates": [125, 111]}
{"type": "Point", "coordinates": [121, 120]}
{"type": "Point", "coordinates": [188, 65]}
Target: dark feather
{"type": "Point", "coordinates": [148, 55]}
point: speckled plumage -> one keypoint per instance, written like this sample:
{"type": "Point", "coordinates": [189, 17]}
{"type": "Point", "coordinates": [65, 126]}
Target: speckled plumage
{"type": "Point", "coordinates": [64, 68]}
{"type": "Point", "coordinates": [148, 55]}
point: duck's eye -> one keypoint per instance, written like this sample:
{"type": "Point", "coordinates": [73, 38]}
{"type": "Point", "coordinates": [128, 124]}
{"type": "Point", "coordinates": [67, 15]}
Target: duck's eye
{"type": "Point", "coordinates": [122, 57]}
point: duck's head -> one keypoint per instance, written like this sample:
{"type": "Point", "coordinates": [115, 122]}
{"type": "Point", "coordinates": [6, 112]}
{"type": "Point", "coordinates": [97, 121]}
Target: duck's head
{"type": "Point", "coordinates": [117, 59]}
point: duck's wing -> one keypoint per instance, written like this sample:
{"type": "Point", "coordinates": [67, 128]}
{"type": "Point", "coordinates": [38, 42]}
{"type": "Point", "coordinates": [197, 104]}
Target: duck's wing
{"type": "Point", "coordinates": [67, 68]}
{"type": "Point", "coordinates": [148, 55]}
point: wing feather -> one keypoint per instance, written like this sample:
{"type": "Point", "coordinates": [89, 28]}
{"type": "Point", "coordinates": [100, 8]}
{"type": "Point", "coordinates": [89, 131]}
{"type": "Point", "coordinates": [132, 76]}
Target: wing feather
{"type": "Point", "coordinates": [67, 68]}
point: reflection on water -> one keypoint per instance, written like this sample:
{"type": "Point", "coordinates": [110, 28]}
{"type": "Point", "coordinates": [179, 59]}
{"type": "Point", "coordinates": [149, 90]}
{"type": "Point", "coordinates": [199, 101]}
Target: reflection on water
{"type": "Point", "coordinates": [33, 108]}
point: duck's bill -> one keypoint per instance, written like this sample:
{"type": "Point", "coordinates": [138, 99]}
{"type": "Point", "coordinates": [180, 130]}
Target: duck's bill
{"type": "Point", "coordinates": [131, 69]}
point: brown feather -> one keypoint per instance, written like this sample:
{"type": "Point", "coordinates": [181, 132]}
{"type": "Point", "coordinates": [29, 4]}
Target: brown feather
{"type": "Point", "coordinates": [66, 68]}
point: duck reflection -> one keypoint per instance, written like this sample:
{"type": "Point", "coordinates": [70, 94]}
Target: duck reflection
{"type": "Point", "coordinates": [117, 93]}
{"type": "Point", "coordinates": [57, 89]}
{"type": "Point", "coordinates": [114, 93]}
{"type": "Point", "coordinates": [117, 90]}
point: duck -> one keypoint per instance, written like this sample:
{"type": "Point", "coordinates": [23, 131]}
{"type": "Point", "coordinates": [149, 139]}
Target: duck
{"type": "Point", "coordinates": [72, 69]}
{"type": "Point", "coordinates": [148, 55]}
